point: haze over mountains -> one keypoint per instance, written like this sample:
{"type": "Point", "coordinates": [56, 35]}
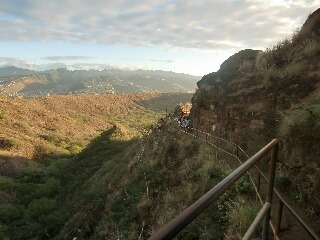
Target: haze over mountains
{"type": "Point", "coordinates": [23, 82]}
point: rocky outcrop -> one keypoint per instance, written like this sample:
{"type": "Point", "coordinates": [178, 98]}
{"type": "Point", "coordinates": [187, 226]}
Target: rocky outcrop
{"type": "Point", "coordinates": [257, 96]}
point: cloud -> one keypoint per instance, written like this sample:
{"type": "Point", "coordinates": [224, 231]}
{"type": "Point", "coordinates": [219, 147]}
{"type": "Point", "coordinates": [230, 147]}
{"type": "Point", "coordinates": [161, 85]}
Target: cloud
{"type": "Point", "coordinates": [6, 61]}
{"type": "Point", "coordinates": [67, 58]}
{"type": "Point", "coordinates": [162, 60]}
{"type": "Point", "coordinates": [102, 66]}
{"type": "Point", "coordinates": [195, 24]}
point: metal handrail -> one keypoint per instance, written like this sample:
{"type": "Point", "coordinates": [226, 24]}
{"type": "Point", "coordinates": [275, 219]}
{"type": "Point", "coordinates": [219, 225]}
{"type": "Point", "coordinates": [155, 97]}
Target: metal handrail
{"type": "Point", "coordinates": [283, 200]}
{"type": "Point", "coordinates": [183, 219]}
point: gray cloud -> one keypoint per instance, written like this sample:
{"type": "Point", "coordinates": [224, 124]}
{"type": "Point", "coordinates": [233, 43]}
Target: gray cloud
{"type": "Point", "coordinates": [162, 60]}
{"type": "Point", "coordinates": [197, 24]}
{"type": "Point", "coordinates": [6, 61]}
{"type": "Point", "coordinates": [67, 58]}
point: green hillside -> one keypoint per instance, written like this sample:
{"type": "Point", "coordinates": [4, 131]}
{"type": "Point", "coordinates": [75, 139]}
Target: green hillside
{"type": "Point", "coordinates": [121, 188]}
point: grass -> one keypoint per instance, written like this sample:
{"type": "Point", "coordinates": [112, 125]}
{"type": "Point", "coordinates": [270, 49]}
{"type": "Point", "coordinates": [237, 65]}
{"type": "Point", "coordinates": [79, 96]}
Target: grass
{"type": "Point", "coordinates": [67, 123]}
{"type": "Point", "coordinates": [305, 117]}
{"type": "Point", "coordinates": [312, 48]}
{"type": "Point", "coordinates": [240, 215]}
{"type": "Point", "coordinates": [246, 66]}
{"type": "Point", "coordinates": [119, 188]}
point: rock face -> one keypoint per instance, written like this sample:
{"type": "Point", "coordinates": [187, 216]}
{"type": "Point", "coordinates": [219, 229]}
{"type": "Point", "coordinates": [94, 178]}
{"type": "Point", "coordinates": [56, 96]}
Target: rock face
{"type": "Point", "coordinates": [257, 96]}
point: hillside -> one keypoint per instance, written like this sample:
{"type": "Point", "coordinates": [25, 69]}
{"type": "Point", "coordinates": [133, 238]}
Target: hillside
{"type": "Point", "coordinates": [22, 82]}
{"type": "Point", "coordinates": [122, 188]}
{"type": "Point", "coordinates": [259, 95]}
{"type": "Point", "coordinates": [55, 126]}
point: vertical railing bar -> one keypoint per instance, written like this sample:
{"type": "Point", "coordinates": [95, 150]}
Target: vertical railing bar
{"type": "Point", "coordinates": [270, 191]}
{"type": "Point", "coordinates": [258, 183]}
{"type": "Point", "coordinates": [279, 218]}
{"type": "Point", "coordinates": [255, 224]}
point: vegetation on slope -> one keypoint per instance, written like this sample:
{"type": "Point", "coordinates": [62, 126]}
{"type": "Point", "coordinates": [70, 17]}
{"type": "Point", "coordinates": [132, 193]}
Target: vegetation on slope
{"type": "Point", "coordinates": [55, 125]}
{"type": "Point", "coordinates": [120, 187]}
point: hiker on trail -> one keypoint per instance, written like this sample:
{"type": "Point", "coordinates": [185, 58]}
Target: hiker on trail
{"type": "Point", "coordinates": [160, 124]}
{"type": "Point", "coordinates": [183, 123]}
{"type": "Point", "coordinates": [188, 124]}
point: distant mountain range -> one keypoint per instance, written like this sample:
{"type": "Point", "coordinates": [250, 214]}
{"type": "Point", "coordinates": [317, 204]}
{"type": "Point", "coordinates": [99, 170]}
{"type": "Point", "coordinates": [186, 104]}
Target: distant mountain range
{"type": "Point", "coordinates": [24, 82]}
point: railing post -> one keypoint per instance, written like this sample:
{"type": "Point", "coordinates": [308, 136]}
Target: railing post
{"type": "Point", "coordinates": [270, 190]}
{"type": "Point", "coordinates": [237, 153]}
{"type": "Point", "coordinates": [278, 220]}
{"type": "Point", "coordinates": [258, 183]}
{"type": "Point", "coordinates": [258, 186]}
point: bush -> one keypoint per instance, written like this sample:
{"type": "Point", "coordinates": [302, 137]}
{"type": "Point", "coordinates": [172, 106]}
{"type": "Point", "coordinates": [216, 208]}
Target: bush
{"type": "Point", "coordinates": [282, 182]}
{"type": "Point", "coordinates": [40, 207]}
{"type": "Point", "coordinates": [293, 70]}
{"type": "Point", "coordinates": [74, 149]}
{"type": "Point", "coordinates": [8, 185]}
{"type": "Point", "coordinates": [51, 187]}
{"type": "Point", "coordinates": [240, 215]}
{"type": "Point", "coordinates": [51, 151]}
{"type": "Point", "coordinates": [244, 185]}
{"type": "Point", "coordinates": [32, 174]}
{"type": "Point", "coordinates": [312, 49]}
{"type": "Point", "coordinates": [271, 75]}
{"type": "Point", "coordinates": [4, 235]}
{"type": "Point", "coordinates": [262, 62]}
{"type": "Point", "coordinates": [304, 118]}
{"type": "Point", "coordinates": [246, 66]}
{"type": "Point", "coordinates": [10, 142]}
{"type": "Point", "coordinates": [9, 213]}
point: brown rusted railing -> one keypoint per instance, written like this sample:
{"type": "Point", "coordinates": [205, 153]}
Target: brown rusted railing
{"type": "Point", "coordinates": [283, 200]}
{"type": "Point", "coordinates": [189, 214]}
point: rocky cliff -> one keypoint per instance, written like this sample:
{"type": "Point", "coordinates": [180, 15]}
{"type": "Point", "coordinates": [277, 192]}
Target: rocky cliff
{"type": "Point", "coordinates": [256, 96]}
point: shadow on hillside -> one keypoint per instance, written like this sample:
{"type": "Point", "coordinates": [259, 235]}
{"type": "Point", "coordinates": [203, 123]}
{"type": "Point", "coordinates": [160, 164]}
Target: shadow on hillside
{"type": "Point", "coordinates": [11, 166]}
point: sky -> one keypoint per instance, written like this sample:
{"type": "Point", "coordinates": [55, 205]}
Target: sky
{"type": "Point", "coordinates": [183, 36]}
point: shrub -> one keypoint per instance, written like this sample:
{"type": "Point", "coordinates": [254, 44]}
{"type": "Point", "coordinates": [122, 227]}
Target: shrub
{"type": "Point", "coordinates": [8, 185]}
{"type": "Point", "coordinates": [312, 49]}
{"type": "Point", "coordinates": [10, 142]}
{"type": "Point", "coordinates": [51, 151]}
{"type": "Point", "coordinates": [9, 212]}
{"type": "Point", "coordinates": [293, 70]}
{"type": "Point", "coordinates": [74, 149]}
{"type": "Point", "coordinates": [262, 61]}
{"type": "Point", "coordinates": [305, 117]}
{"type": "Point", "coordinates": [240, 215]}
{"type": "Point", "coordinates": [40, 207]}
{"type": "Point", "coordinates": [270, 76]}
{"type": "Point", "coordinates": [58, 168]}
{"type": "Point", "coordinates": [282, 182]}
{"type": "Point", "coordinates": [4, 232]}
{"type": "Point", "coordinates": [32, 174]}
{"type": "Point", "coordinates": [246, 66]}
{"type": "Point", "coordinates": [51, 187]}
{"type": "Point", "coordinates": [243, 185]}
{"type": "Point", "coordinates": [2, 116]}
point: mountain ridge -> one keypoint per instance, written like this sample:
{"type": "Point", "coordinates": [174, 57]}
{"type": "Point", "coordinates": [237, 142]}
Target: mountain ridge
{"type": "Point", "coordinates": [23, 82]}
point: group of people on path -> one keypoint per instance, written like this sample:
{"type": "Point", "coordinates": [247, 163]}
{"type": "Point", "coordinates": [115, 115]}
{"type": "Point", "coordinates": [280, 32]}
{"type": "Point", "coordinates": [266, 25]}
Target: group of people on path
{"type": "Point", "coordinates": [184, 123]}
